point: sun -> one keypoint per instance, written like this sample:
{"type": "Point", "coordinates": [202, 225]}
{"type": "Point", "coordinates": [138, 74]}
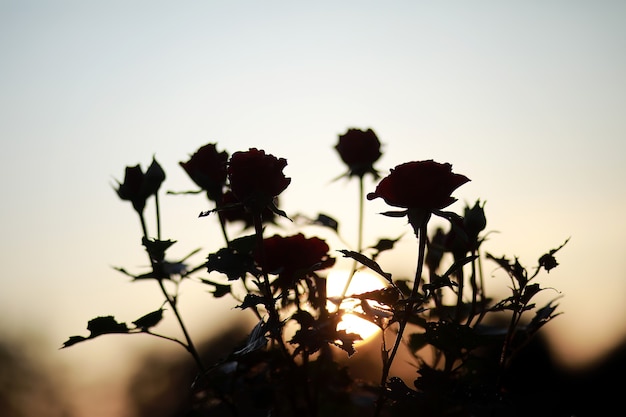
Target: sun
{"type": "Point", "coordinates": [361, 282]}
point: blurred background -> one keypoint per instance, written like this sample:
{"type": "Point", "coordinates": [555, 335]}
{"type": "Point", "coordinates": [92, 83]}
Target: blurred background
{"type": "Point", "coordinates": [527, 99]}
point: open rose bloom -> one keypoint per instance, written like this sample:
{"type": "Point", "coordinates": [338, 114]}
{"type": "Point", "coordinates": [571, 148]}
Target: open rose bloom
{"type": "Point", "coordinates": [256, 178]}
{"type": "Point", "coordinates": [422, 184]}
{"type": "Point", "coordinates": [422, 187]}
{"type": "Point", "coordinates": [207, 168]}
{"type": "Point", "coordinates": [291, 258]}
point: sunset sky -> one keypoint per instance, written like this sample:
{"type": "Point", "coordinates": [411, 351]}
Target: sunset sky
{"type": "Point", "coordinates": [527, 99]}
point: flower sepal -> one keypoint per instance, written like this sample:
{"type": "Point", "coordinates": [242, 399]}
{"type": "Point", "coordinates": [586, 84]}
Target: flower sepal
{"type": "Point", "coordinates": [395, 213]}
{"type": "Point", "coordinates": [274, 209]}
{"type": "Point", "coordinates": [418, 217]}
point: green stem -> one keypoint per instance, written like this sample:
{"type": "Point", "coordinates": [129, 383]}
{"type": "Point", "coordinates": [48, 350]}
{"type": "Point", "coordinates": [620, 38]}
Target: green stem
{"type": "Point", "coordinates": [359, 237]}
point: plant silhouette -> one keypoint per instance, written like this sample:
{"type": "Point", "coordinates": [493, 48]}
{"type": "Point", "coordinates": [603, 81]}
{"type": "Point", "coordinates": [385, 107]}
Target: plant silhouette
{"type": "Point", "coordinates": [462, 341]}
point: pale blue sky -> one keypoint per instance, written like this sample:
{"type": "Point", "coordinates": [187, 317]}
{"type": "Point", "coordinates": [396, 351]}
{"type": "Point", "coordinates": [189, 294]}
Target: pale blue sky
{"type": "Point", "coordinates": [525, 98]}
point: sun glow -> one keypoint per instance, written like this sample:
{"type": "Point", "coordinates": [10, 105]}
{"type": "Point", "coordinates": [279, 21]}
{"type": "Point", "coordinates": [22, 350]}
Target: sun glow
{"type": "Point", "coordinates": [361, 282]}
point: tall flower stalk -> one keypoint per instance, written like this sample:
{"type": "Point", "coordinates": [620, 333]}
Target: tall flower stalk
{"type": "Point", "coordinates": [137, 188]}
{"type": "Point", "coordinates": [256, 179]}
{"type": "Point", "coordinates": [359, 150]}
{"type": "Point", "coordinates": [422, 188]}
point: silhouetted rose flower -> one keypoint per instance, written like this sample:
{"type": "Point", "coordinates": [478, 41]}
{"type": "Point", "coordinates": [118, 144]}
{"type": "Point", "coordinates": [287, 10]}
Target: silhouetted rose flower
{"type": "Point", "coordinates": [422, 187]}
{"type": "Point", "coordinates": [130, 189]}
{"type": "Point", "coordinates": [425, 185]}
{"type": "Point", "coordinates": [256, 178]}
{"type": "Point", "coordinates": [207, 168]}
{"type": "Point", "coordinates": [138, 186]}
{"type": "Point", "coordinates": [359, 149]}
{"type": "Point", "coordinates": [474, 221]}
{"type": "Point", "coordinates": [464, 231]}
{"type": "Point", "coordinates": [457, 240]}
{"type": "Point", "coordinates": [292, 256]}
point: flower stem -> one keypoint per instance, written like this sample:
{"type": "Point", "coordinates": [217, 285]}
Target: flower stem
{"type": "Point", "coordinates": [405, 318]}
{"type": "Point", "coordinates": [476, 290]}
{"type": "Point", "coordinates": [274, 318]}
{"type": "Point", "coordinates": [459, 300]}
{"type": "Point", "coordinates": [258, 229]}
{"type": "Point", "coordinates": [158, 216]}
{"type": "Point", "coordinates": [144, 229]}
{"type": "Point", "coordinates": [222, 221]}
{"type": "Point", "coordinates": [189, 345]}
{"type": "Point", "coordinates": [359, 238]}
{"type": "Point", "coordinates": [275, 325]}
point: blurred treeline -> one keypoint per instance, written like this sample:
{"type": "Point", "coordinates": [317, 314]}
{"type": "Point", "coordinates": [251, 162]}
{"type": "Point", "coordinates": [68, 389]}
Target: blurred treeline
{"type": "Point", "coordinates": [31, 386]}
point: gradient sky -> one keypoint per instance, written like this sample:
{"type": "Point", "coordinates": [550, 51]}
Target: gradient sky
{"type": "Point", "coordinates": [525, 98]}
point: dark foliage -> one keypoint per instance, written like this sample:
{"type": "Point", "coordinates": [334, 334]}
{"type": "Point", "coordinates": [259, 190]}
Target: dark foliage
{"type": "Point", "coordinates": [467, 361]}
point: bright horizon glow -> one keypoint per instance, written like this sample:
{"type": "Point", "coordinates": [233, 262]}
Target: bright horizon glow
{"type": "Point", "coordinates": [361, 282]}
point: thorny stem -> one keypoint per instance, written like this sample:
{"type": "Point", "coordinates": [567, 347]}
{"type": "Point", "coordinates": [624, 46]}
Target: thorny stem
{"type": "Point", "coordinates": [405, 318]}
